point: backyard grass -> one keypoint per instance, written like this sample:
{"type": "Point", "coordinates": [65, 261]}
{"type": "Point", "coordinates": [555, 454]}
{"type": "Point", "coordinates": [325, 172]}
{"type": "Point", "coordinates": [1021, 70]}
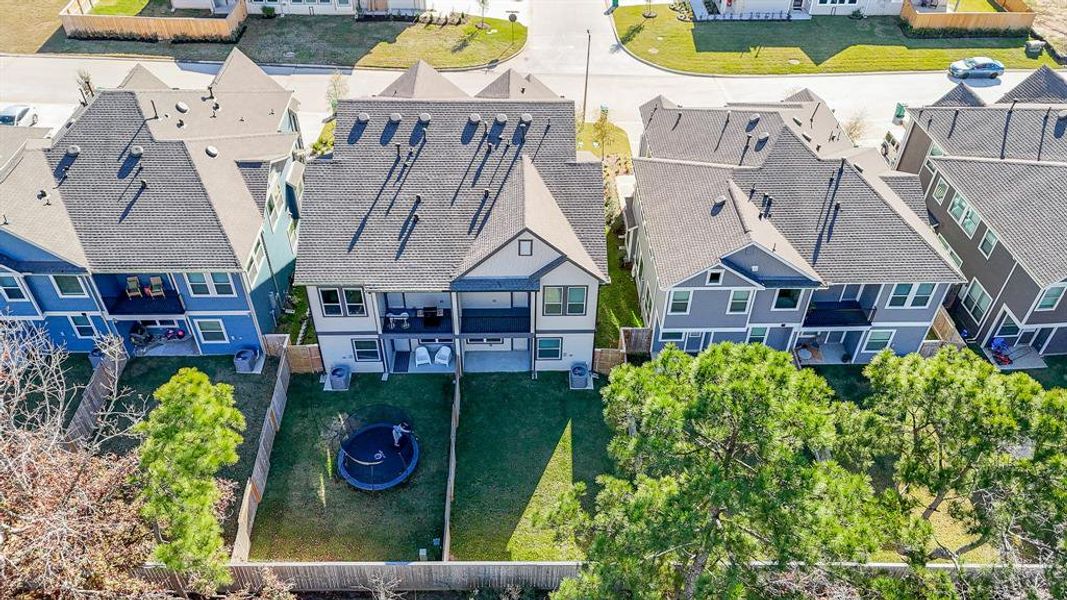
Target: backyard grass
{"type": "Point", "coordinates": [329, 40]}
{"type": "Point", "coordinates": [521, 443]}
{"type": "Point", "coordinates": [1055, 375]}
{"type": "Point", "coordinates": [291, 323]}
{"type": "Point", "coordinates": [143, 8]}
{"type": "Point", "coordinates": [824, 44]}
{"type": "Point", "coordinates": [617, 305]}
{"type": "Point", "coordinates": [77, 370]}
{"type": "Point", "coordinates": [308, 514]}
{"type": "Point", "coordinates": [974, 6]}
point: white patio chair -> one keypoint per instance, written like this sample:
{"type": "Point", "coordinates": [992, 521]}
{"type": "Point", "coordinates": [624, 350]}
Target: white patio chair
{"type": "Point", "coordinates": [443, 356]}
{"type": "Point", "coordinates": [422, 356]}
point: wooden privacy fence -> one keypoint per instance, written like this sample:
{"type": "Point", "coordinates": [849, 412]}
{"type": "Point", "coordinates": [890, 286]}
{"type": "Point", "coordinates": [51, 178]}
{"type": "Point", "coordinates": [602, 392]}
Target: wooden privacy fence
{"type": "Point", "coordinates": [100, 388]}
{"type": "Point", "coordinates": [450, 486]}
{"type": "Point", "coordinates": [257, 483]}
{"type": "Point", "coordinates": [305, 359]}
{"type": "Point", "coordinates": [79, 22]}
{"type": "Point", "coordinates": [1016, 15]}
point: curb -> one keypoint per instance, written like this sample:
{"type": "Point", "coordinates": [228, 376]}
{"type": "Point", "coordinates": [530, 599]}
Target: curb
{"type": "Point", "coordinates": [614, 29]}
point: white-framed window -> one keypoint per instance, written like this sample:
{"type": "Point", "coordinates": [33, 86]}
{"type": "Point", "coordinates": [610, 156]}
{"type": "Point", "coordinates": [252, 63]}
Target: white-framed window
{"type": "Point", "coordinates": [158, 323]}
{"type": "Point", "coordinates": [210, 284]}
{"type": "Point", "coordinates": [988, 243]}
{"type": "Point", "coordinates": [714, 277]}
{"type": "Point", "coordinates": [976, 300]}
{"type": "Point", "coordinates": [292, 232]}
{"type": "Point", "coordinates": [330, 301]}
{"type": "Point", "coordinates": [255, 261]}
{"type": "Point", "coordinates": [525, 247]}
{"type": "Point", "coordinates": [1050, 300]}
{"type": "Point", "coordinates": [273, 207]}
{"type": "Point", "coordinates": [757, 335]}
{"type": "Point", "coordinates": [366, 351]}
{"type": "Point", "coordinates": [964, 214]}
{"type": "Point", "coordinates": [211, 331]}
{"type": "Point", "coordinates": [787, 299]}
{"type": "Point", "coordinates": [679, 302]}
{"type": "Point", "coordinates": [671, 336]}
{"type": "Point", "coordinates": [69, 286]}
{"type": "Point", "coordinates": [82, 326]}
{"type": "Point", "coordinates": [550, 348]}
{"type": "Point", "coordinates": [564, 300]}
{"type": "Point", "coordinates": [878, 340]}
{"type": "Point", "coordinates": [911, 295]}
{"type": "Point", "coordinates": [940, 191]}
{"type": "Point", "coordinates": [739, 301]}
{"type": "Point", "coordinates": [1009, 328]}
{"type": "Point", "coordinates": [11, 288]}
{"type": "Point", "coordinates": [494, 341]}
{"type": "Point", "coordinates": [355, 305]}
{"type": "Point", "coordinates": [955, 258]}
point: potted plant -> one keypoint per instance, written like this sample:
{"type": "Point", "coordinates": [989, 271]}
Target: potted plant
{"type": "Point", "coordinates": [269, 12]}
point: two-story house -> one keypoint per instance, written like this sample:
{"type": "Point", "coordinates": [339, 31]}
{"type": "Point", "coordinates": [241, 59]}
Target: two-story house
{"type": "Point", "coordinates": [161, 215]}
{"type": "Point", "coordinates": [995, 181]}
{"type": "Point", "coordinates": [454, 233]}
{"type": "Point", "coordinates": [762, 223]}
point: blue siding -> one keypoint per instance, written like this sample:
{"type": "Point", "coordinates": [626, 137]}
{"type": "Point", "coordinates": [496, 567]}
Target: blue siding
{"type": "Point", "coordinates": [49, 299]}
{"type": "Point", "coordinates": [240, 331]}
{"type": "Point", "coordinates": [271, 287]}
{"type": "Point", "coordinates": [62, 333]}
{"type": "Point", "coordinates": [199, 303]}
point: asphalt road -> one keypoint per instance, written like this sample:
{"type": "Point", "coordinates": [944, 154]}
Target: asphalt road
{"type": "Point", "coordinates": [556, 53]}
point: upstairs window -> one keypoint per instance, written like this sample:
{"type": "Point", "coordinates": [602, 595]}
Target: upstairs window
{"type": "Point", "coordinates": [714, 277]}
{"type": "Point", "coordinates": [964, 214]}
{"type": "Point", "coordinates": [564, 301]}
{"type": "Point", "coordinates": [988, 243]}
{"type": "Point", "coordinates": [273, 208]}
{"type": "Point", "coordinates": [787, 299]}
{"type": "Point", "coordinates": [525, 247]}
{"type": "Point", "coordinates": [292, 234]}
{"type": "Point", "coordinates": [976, 300]}
{"type": "Point", "coordinates": [679, 304]}
{"type": "Point", "coordinates": [210, 284]}
{"type": "Point", "coordinates": [940, 191]}
{"type": "Point", "coordinates": [69, 286]}
{"type": "Point", "coordinates": [1050, 300]}
{"type": "Point", "coordinates": [11, 288]}
{"type": "Point", "coordinates": [956, 260]}
{"type": "Point", "coordinates": [255, 262]}
{"type": "Point", "coordinates": [911, 295]}
{"type": "Point", "coordinates": [330, 299]}
{"type": "Point", "coordinates": [354, 303]}
{"type": "Point", "coordinates": [739, 300]}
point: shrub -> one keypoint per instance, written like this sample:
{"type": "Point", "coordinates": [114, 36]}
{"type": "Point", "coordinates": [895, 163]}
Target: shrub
{"type": "Point", "coordinates": [956, 32]}
{"type": "Point", "coordinates": [269, 12]}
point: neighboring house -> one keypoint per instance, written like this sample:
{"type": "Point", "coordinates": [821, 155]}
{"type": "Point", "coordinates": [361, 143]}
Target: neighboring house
{"type": "Point", "coordinates": [449, 221]}
{"type": "Point", "coordinates": [762, 223]}
{"type": "Point", "coordinates": [158, 208]}
{"type": "Point", "coordinates": [995, 181]}
{"type": "Point", "coordinates": [802, 8]}
{"type": "Point", "coordinates": [322, 7]}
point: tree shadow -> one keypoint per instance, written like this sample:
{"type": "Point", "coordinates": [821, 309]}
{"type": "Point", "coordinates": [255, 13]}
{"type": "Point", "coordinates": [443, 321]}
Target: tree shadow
{"type": "Point", "coordinates": [631, 33]}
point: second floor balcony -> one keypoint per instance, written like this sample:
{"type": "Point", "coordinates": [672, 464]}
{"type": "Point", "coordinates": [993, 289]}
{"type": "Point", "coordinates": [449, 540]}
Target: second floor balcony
{"type": "Point", "coordinates": [417, 320]}
{"type": "Point", "coordinates": [132, 295]}
{"type": "Point", "coordinates": [495, 320]}
{"type": "Point", "coordinates": [848, 313]}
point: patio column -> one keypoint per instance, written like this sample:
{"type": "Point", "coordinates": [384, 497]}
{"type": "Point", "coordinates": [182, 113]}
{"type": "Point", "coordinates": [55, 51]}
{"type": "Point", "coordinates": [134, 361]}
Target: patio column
{"type": "Point", "coordinates": [458, 350]}
{"type": "Point", "coordinates": [532, 300]}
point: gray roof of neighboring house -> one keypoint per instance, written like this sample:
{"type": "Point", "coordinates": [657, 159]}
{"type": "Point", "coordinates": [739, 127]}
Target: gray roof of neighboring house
{"type": "Point", "coordinates": [1042, 86]}
{"type": "Point", "coordinates": [1027, 132]}
{"type": "Point", "coordinates": [1024, 202]}
{"type": "Point", "coordinates": [514, 86]}
{"type": "Point", "coordinates": [140, 78]}
{"type": "Point", "coordinates": [908, 187]}
{"type": "Point", "coordinates": [477, 186]}
{"type": "Point", "coordinates": [961, 95]}
{"type": "Point", "coordinates": [422, 81]}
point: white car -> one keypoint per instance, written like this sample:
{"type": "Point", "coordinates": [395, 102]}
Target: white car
{"type": "Point", "coordinates": [18, 115]}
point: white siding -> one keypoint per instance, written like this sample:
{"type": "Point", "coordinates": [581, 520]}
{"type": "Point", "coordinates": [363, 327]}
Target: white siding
{"type": "Point", "coordinates": [569, 274]}
{"type": "Point", "coordinates": [327, 324]}
{"type": "Point", "coordinates": [337, 349]}
{"type": "Point", "coordinates": [576, 348]}
{"type": "Point", "coordinates": [506, 262]}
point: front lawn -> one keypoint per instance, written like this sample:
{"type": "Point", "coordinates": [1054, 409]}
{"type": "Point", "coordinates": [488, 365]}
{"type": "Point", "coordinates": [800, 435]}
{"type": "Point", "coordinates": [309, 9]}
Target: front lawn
{"type": "Point", "coordinates": [521, 443]}
{"type": "Point", "coordinates": [824, 44]}
{"type": "Point", "coordinates": [309, 514]}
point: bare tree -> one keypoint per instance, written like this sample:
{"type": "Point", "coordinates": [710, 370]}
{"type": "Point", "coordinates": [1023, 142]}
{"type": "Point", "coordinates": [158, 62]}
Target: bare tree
{"type": "Point", "coordinates": [69, 519]}
{"type": "Point", "coordinates": [383, 588]}
{"type": "Point", "coordinates": [856, 125]}
{"type": "Point", "coordinates": [336, 90]}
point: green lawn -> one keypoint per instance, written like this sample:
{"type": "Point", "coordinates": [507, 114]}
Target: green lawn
{"type": "Point", "coordinates": [330, 40]}
{"type": "Point", "coordinates": [974, 6]}
{"type": "Point", "coordinates": [824, 44]}
{"type": "Point", "coordinates": [617, 305]}
{"type": "Point", "coordinates": [144, 8]}
{"type": "Point", "coordinates": [1055, 375]}
{"type": "Point", "coordinates": [290, 323]}
{"type": "Point", "coordinates": [521, 443]}
{"type": "Point", "coordinates": [308, 514]}
{"type": "Point", "coordinates": [617, 142]}
{"type": "Point", "coordinates": [77, 370]}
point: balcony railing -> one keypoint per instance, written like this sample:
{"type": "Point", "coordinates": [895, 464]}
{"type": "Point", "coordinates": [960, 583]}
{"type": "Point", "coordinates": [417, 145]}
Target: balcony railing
{"type": "Point", "coordinates": [838, 314]}
{"type": "Point", "coordinates": [495, 320]}
{"type": "Point", "coordinates": [170, 304]}
{"type": "Point", "coordinates": [416, 320]}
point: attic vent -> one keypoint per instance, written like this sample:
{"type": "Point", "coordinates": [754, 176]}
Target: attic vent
{"type": "Point", "coordinates": [74, 150]}
{"type": "Point", "coordinates": [362, 117]}
{"type": "Point", "coordinates": [43, 195]}
{"type": "Point", "coordinates": [526, 118]}
{"type": "Point", "coordinates": [396, 118]}
{"type": "Point", "coordinates": [136, 151]}
{"type": "Point", "coordinates": [182, 107]}
{"type": "Point", "coordinates": [797, 121]}
{"type": "Point", "coordinates": [501, 118]}
{"type": "Point", "coordinates": [806, 137]}
{"type": "Point", "coordinates": [475, 118]}
{"type": "Point", "coordinates": [753, 119]}
{"type": "Point", "coordinates": [763, 137]}
{"type": "Point", "coordinates": [212, 151]}
{"type": "Point", "coordinates": [720, 202]}
{"type": "Point", "coordinates": [181, 123]}
{"type": "Point", "coordinates": [1062, 115]}
{"type": "Point", "coordinates": [424, 118]}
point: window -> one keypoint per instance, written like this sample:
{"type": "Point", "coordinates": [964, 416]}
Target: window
{"type": "Point", "coordinates": [331, 302]}
{"type": "Point", "coordinates": [69, 286]}
{"type": "Point", "coordinates": [485, 341]}
{"type": "Point", "coordinates": [899, 297]}
{"type": "Point", "coordinates": [210, 284]}
{"type": "Point", "coordinates": [679, 304]}
{"type": "Point", "coordinates": [1008, 328]}
{"type": "Point", "coordinates": [878, 340]}
{"type": "Point", "coordinates": [671, 336]}
{"type": "Point", "coordinates": [273, 207]}
{"type": "Point", "coordinates": [366, 351]}
{"type": "Point", "coordinates": [223, 284]}
{"type": "Point", "coordinates": [923, 293]}
{"type": "Point", "coordinates": [83, 326]}
{"type": "Point", "coordinates": [292, 233]}
{"type": "Point", "coordinates": [525, 247]}
{"type": "Point", "coordinates": [976, 301]}
{"type": "Point", "coordinates": [11, 288]}
{"type": "Point", "coordinates": [739, 302]}
{"type": "Point", "coordinates": [158, 323]}
{"type": "Point", "coordinates": [554, 305]}
{"type": "Point", "coordinates": [354, 304]}
{"type": "Point", "coordinates": [1051, 298]}
{"type": "Point", "coordinates": [787, 299]}
{"type": "Point", "coordinates": [909, 295]}
{"type": "Point", "coordinates": [965, 216]}
{"type": "Point", "coordinates": [212, 331]}
{"type": "Point", "coordinates": [714, 277]}
{"type": "Point", "coordinates": [255, 262]}
{"type": "Point", "coordinates": [549, 348]}
{"type": "Point", "coordinates": [940, 191]}
{"type": "Point", "coordinates": [198, 284]}
{"type": "Point", "coordinates": [988, 243]}
{"type": "Point", "coordinates": [951, 253]}
{"type": "Point", "coordinates": [757, 335]}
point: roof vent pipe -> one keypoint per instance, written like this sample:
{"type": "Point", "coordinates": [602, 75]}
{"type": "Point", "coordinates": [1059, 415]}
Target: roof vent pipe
{"type": "Point", "coordinates": [424, 118]}
{"type": "Point", "coordinates": [212, 151]}
{"type": "Point", "coordinates": [182, 107]}
{"type": "Point", "coordinates": [501, 118]}
{"type": "Point", "coordinates": [363, 117]}
{"type": "Point", "coordinates": [137, 151]}
{"type": "Point", "coordinates": [418, 200]}
{"type": "Point", "coordinates": [1062, 115]}
{"type": "Point", "coordinates": [525, 118]}
{"type": "Point", "coordinates": [475, 118]}
{"type": "Point", "coordinates": [396, 118]}
{"type": "Point", "coordinates": [73, 150]}
{"type": "Point", "coordinates": [753, 118]}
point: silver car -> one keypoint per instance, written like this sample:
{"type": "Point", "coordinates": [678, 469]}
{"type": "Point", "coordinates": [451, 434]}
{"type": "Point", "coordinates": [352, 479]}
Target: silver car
{"type": "Point", "coordinates": [978, 66]}
{"type": "Point", "coordinates": [18, 115]}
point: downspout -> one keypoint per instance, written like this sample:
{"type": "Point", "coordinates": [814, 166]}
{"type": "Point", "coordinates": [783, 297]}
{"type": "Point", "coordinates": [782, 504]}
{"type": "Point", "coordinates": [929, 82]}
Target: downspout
{"type": "Point", "coordinates": [533, 337]}
{"type": "Point", "coordinates": [456, 341]}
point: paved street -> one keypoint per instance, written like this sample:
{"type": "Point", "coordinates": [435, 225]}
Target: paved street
{"type": "Point", "coordinates": [556, 53]}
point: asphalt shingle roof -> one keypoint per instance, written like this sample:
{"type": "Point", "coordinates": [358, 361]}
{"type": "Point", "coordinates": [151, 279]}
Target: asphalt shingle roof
{"type": "Point", "coordinates": [1029, 132]}
{"type": "Point", "coordinates": [961, 95]}
{"type": "Point", "coordinates": [1042, 86]}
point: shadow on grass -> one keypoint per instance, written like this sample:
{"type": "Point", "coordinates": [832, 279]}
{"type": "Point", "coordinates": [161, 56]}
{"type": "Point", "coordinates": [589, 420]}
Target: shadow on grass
{"type": "Point", "coordinates": [631, 33]}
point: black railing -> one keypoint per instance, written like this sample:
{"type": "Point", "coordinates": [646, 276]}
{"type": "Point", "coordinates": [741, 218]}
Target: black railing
{"type": "Point", "coordinates": [838, 314]}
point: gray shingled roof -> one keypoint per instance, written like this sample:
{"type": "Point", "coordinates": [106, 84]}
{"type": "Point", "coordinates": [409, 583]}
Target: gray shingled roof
{"type": "Point", "coordinates": [961, 95]}
{"type": "Point", "coordinates": [514, 86]}
{"type": "Point", "coordinates": [1026, 205]}
{"type": "Point", "coordinates": [359, 206]}
{"type": "Point", "coordinates": [1028, 132]}
{"type": "Point", "coordinates": [910, 190]}
{"type": "Point", "coordinates": [422, 81]}
{"type": "Point", "coordinates": [1042, 86]}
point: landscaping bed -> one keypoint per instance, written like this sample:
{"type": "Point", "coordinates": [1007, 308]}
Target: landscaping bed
{"type": "Point", "coordinates": [521, 443]}
{"type": "Point", "coordinates": [309, 514]}
{"type": "Point", "coordinates": [824, 44]}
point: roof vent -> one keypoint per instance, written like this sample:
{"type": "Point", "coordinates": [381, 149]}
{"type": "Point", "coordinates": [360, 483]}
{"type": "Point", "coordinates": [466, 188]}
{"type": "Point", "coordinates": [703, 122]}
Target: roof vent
{"type": "Point", "coordinates": [396, 118]}
{"type": "Point", "coordinates": [362, 117]}
{"type": "Point", "coordinates": [1062, 115]}
{"type": "Point", "coordinates": [212, 151]}
{"type": "Point", "coordinates": [806, 137]}
{"type": "Point", "coordinates": [526, 118]}
{"type": "Point", "coordinates": [43, 195]}
{"type": "Point", "coordinates": [144, 184]}
{"type": "Point", "coordinates": [797, 121]}
{"type": "Point", "coordinates": [182, 107]}
{"type": "Point", "coordinates": [719, 202]}
{"type": "Point", "coordinates": [763, 137]}
{"type": "Point", "coordinates": [475, 118]}
{"type": "Point", "coordinates": [753, 119]}
{"type": "Point", "coordinates": [501, 118]}
{"type": "Point", "coordinates": [74, 150]}
{"type": "Point", "coordinates": [137, 151]}
{"type": "Point", "coordinates": [424, 118]}
{"type": "Point", "coordinates": [215, 106]}
{"type": "Point", "coordinates": [181, 123]}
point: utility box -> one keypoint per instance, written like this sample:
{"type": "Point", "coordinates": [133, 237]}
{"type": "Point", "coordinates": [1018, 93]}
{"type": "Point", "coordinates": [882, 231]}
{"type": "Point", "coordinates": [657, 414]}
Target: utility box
{"type": "Point", "coordinates": [245, 360]}
{"type": "Point", "coordinates": [340, 377]}
{"type": "Point", "coordinates": [579, 376]}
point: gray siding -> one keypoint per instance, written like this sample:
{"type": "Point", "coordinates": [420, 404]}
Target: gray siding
{"type": "Point", "coordinates": [915, 149]}
{"type": "Point", "coordinates": [707, 310]}
{"type": "Point", "coordinates": [757, 264]}
{"type": "Point", "coordinates": [884, 314]}
{"type": "Point", "coordinates": [905, 341]}
{"type": "Point", "coordinates": [1057, 344]}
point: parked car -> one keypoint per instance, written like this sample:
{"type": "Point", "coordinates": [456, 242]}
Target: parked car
{"type": "Point", "coordinates": [978, 66]}
{"type": "Point", "coordinates": [18, 115]}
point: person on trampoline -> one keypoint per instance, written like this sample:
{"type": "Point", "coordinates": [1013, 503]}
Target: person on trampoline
{"type": "Point", "coordinates": [400, 432]}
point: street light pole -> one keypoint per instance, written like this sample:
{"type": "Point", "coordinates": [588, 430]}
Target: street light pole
{"type": "Point", "coordinates": [585, 93]}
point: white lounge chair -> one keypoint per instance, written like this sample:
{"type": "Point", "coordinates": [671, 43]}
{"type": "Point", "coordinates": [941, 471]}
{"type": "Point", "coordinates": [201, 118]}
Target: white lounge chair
{"type": "Point", "coordinates": [422, 356]}
{"type": "Point", "coordinates": [443, 356]}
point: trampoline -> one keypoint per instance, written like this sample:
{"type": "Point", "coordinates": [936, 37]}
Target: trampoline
{"type": "Point", "coordinates": [368, 459]}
